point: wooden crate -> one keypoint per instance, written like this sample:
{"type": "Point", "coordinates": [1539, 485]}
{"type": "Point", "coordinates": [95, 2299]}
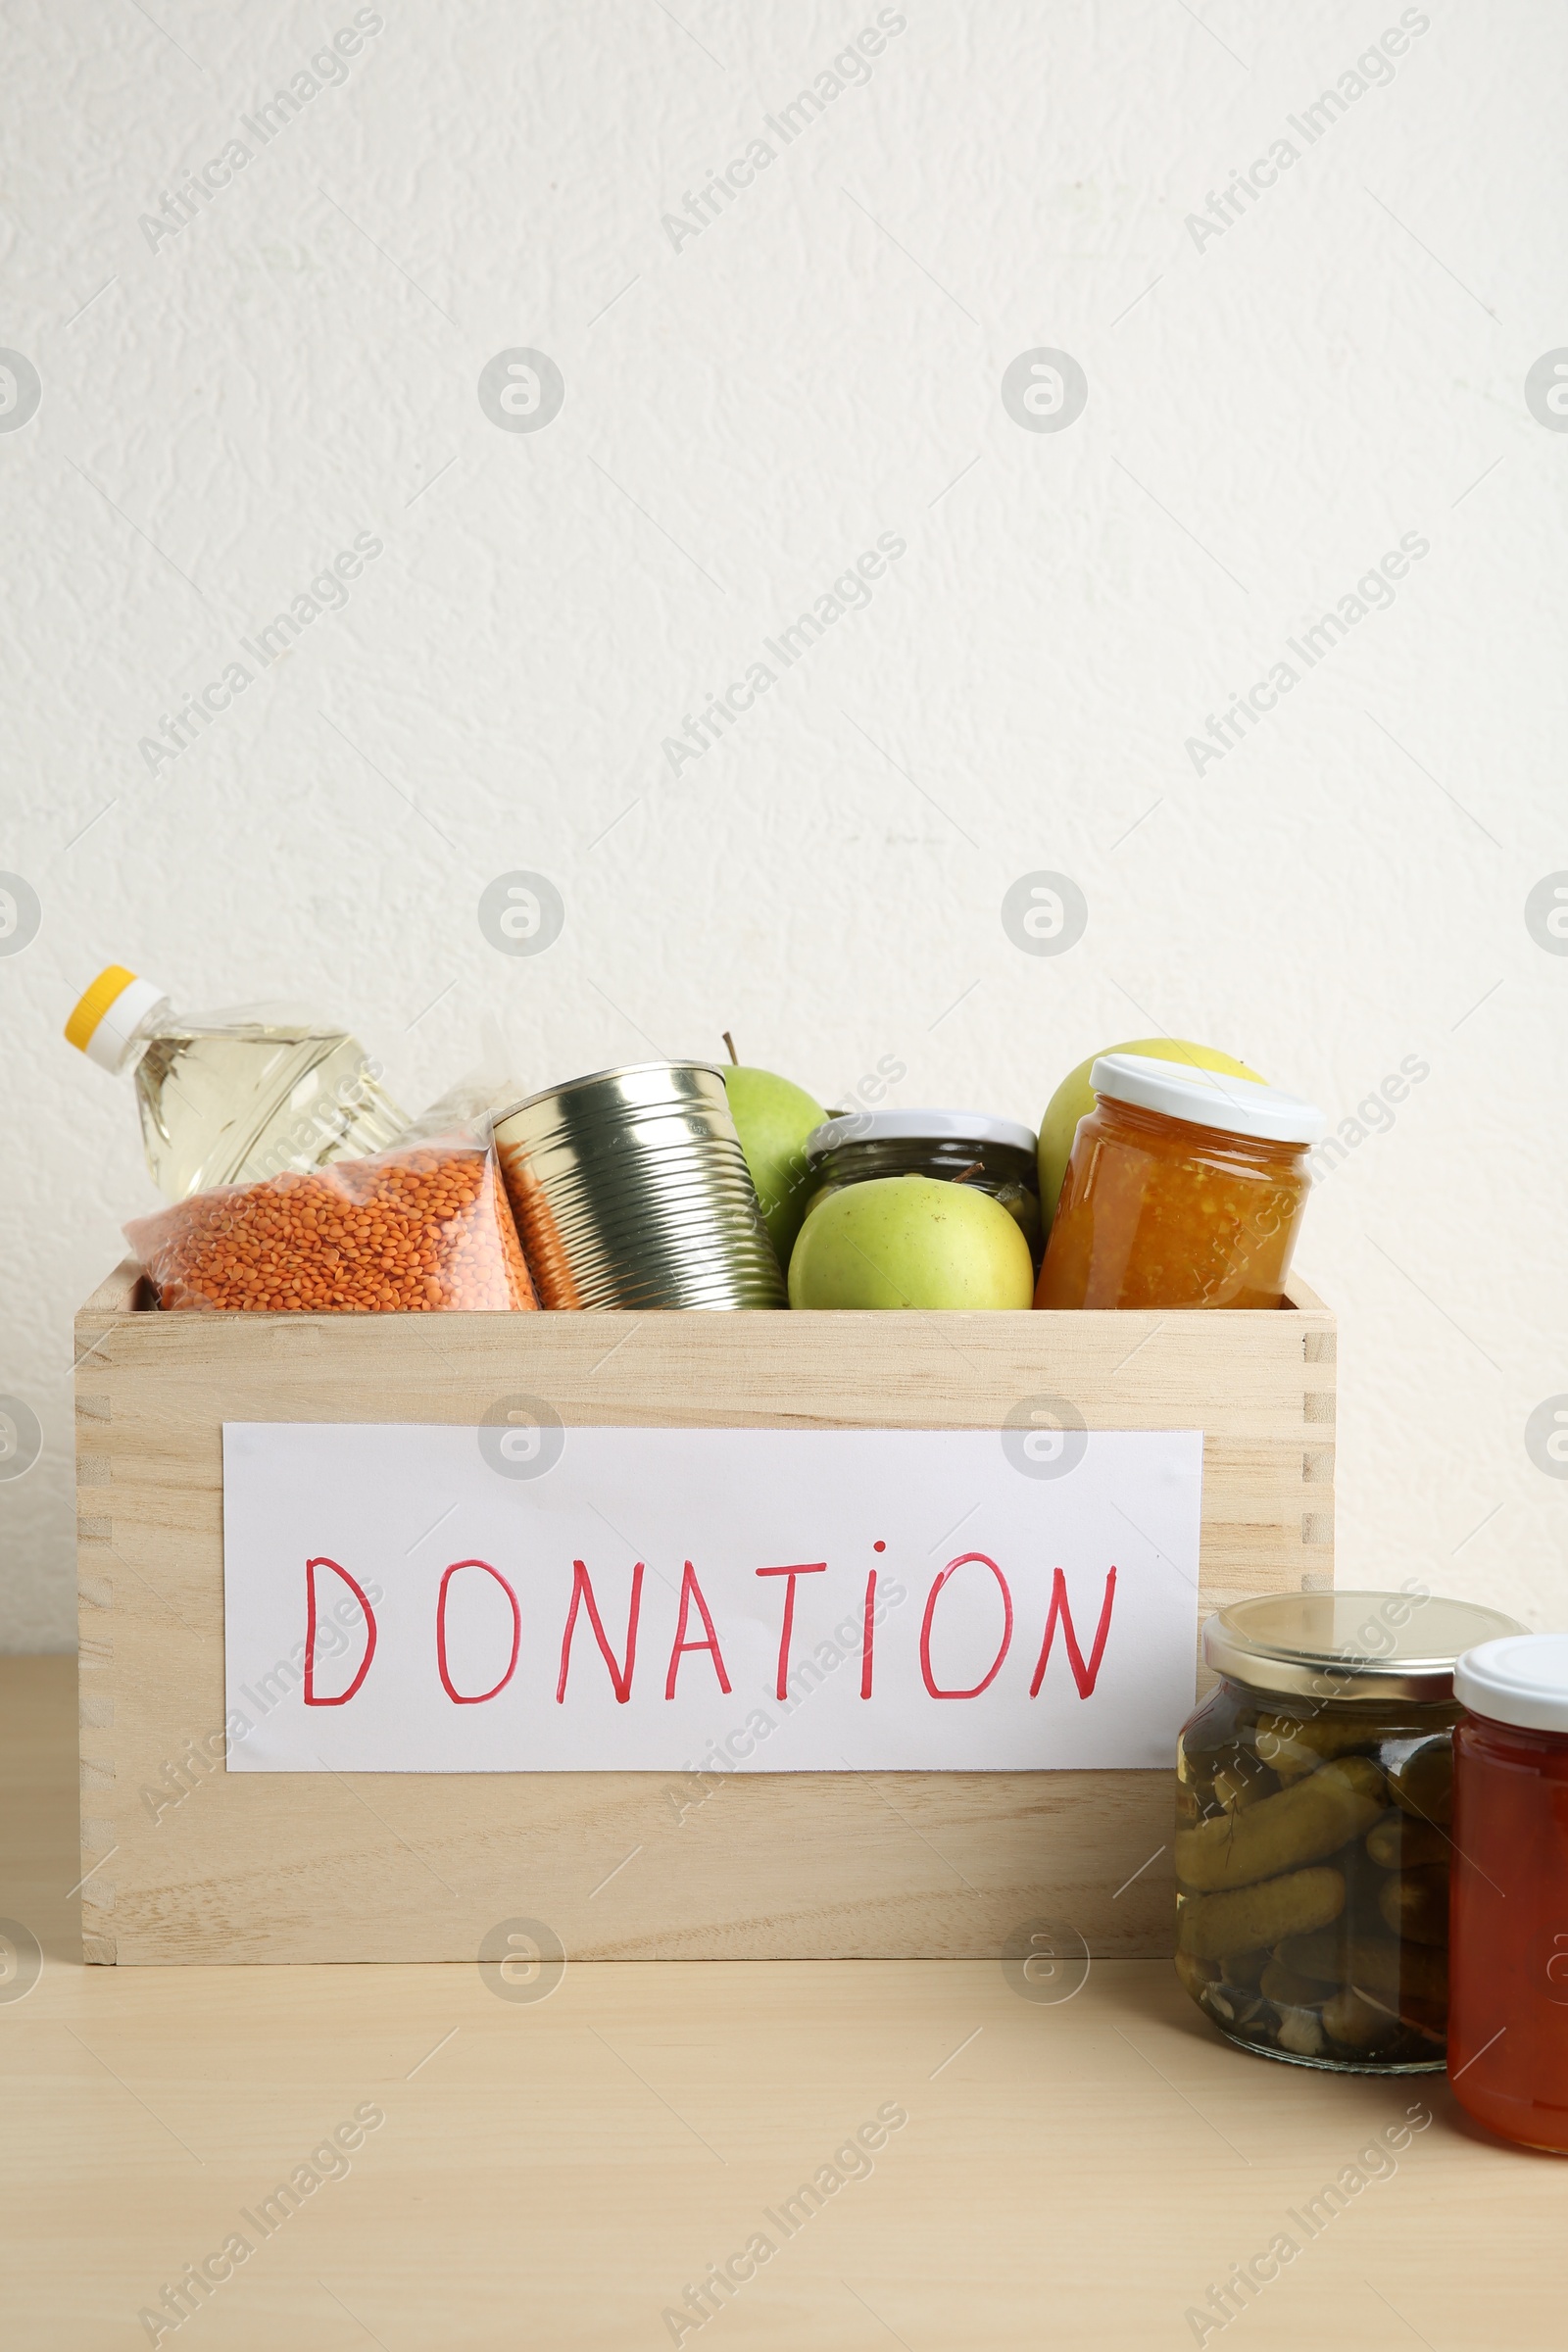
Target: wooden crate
{"type": "Point", "coordinates": [406, 1867]}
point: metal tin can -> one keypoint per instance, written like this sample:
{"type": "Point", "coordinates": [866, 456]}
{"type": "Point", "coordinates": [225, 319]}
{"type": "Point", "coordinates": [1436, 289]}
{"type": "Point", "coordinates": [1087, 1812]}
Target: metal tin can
{"type": "Point", "coordinates": [995, 1156]}
{"type": "Point", "coordinates": [632, 1189]}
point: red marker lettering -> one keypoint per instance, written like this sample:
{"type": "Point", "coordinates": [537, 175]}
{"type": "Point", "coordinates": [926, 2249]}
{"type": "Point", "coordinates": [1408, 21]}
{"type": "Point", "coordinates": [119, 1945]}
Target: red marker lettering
{"type": "Point", "coordinates": [1084, 1676]}
{"type": "Point", "coordinates": [342, 1701]}
{"type": "Point", "coordinates": [473, 1698]}
{"type": "Point", "coordinates": [867, 1633]}
{"type": "Point", "coordinates": [805, 1568]}
{"type": "Point", "coordinates": [582, 1591]}
{"type": "Point", "coordinates": [689, 1591]}
{"type": "Point", "coordinates": [930, 1611]}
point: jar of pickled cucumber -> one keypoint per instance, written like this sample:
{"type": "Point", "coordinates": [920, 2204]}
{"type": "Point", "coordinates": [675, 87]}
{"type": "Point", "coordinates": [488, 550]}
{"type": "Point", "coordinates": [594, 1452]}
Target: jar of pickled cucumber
{"type": "Point", "coordinates": [1313, 1802]}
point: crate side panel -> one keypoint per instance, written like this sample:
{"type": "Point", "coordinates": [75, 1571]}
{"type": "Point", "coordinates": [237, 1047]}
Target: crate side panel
{"type": "Point", "coordinates": [217, 1867]}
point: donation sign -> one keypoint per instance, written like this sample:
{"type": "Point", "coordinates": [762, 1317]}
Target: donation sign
{"type": "Point", "coordinates": [416, 1599]}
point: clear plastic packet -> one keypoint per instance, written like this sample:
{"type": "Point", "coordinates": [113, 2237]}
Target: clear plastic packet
{"type": "Point", "coordinates": [471, 1102]}
{"type": "Point", "coordinates": [422, 1228]}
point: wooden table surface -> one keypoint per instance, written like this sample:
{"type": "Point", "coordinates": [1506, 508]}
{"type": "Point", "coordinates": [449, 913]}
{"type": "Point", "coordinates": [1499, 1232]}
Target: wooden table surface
{"type": "Point", "coordinates": [1074, 2172]}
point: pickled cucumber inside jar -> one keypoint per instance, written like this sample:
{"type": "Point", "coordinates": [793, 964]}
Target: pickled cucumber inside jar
{"type": "Point", "coordinates": [1310, 1844]}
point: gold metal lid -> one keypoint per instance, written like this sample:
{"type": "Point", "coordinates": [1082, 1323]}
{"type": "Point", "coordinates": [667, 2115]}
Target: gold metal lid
{"type": "Point", "coordinates": [1329, 1647]}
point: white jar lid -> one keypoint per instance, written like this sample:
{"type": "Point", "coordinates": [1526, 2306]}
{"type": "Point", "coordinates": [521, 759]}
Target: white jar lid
{"type": "Point", "coordinates": [918, 1126]}
{"type": "Point", "coordinates": [1522, 1679]}
{"type": "Point", "coordinates": [1207, 1098]}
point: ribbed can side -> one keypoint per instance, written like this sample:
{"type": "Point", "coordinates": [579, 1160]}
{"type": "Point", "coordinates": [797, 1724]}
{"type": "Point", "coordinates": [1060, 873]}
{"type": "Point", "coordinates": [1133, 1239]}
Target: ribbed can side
{"type": "Point", "coordinates": [632, 1189]}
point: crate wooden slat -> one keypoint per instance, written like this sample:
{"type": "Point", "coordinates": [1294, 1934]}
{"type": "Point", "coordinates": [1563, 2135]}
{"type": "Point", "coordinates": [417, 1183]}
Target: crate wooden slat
{"type": "Point", "coordinates": [253, 1867]}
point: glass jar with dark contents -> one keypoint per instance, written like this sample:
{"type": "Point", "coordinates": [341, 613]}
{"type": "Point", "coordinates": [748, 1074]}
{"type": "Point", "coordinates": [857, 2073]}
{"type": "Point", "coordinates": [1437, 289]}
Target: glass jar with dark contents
{"type": "Point", "coordinates": [1313, 1803]}
{"type": "Point", "coordinates": [965, 1147]}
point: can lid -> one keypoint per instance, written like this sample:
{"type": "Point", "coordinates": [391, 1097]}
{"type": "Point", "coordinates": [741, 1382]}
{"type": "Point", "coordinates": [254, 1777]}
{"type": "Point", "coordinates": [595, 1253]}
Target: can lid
{"type": "Point", "coordinates": [917, 1126]}
{"type": "Point", "coordinates": [106, 1015]}
{"type": "Point", "coordinates": [1522, 1679]}
{"type": "Point", "coordinates": [1329, 1647]}
{"type": "Point", "coordinates": [1207, 1098]}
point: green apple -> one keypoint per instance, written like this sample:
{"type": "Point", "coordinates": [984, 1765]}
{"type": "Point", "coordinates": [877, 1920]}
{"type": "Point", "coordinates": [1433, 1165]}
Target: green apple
{"type": "Point", "coordinates": [773, 1120]}
{"type": "Point", "coordinates": [1074, 1099]}
{"type": "Point", "coordinates": [910, 1241]}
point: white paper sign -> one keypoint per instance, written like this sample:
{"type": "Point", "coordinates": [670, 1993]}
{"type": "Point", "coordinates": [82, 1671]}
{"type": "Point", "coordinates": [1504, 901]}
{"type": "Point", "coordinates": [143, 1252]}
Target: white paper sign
{"type": "Point", "coordinates": [426, 1599]}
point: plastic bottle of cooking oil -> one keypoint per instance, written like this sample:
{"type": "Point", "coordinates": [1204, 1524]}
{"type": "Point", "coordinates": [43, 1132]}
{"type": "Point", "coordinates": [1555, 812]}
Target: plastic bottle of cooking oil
{"type": "Point", "coordinates": [236, 1096]}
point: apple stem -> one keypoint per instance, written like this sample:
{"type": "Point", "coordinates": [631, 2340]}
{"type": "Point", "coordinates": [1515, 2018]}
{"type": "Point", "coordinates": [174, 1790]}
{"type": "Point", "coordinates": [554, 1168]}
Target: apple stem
{"type": "Point", "coordinates": [730, 1041]}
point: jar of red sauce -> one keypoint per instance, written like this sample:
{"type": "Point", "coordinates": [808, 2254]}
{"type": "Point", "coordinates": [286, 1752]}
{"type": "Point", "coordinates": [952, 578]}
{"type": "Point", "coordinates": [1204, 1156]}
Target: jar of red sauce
{"type": "Point", "coordinates": [1508, 1925]}
{"type": "Point", "coordinates": [1185, 1188]}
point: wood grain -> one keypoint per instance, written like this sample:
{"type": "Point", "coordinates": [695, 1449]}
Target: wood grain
{"type": "Point", "coordinates": [208, 1866]}
{"type": "Point", "coordinates": [1083, 2160]}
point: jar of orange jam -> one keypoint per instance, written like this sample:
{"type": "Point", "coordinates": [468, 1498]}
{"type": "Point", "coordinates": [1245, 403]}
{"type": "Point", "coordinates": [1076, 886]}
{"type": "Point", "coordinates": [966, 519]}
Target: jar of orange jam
{"type": "Point", "coordinates": [1509, 1927]}
{"type": "Point", "coordinates": [1185, 1188]}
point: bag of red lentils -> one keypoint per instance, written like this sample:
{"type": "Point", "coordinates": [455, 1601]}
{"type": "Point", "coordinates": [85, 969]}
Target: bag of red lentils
{"type": "Point", "coordinates": [419, 1229]}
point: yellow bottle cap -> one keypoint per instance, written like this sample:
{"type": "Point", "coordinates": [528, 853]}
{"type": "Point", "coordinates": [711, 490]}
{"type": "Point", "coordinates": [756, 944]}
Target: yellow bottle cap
{"type": "Point", "coordinates": [90, 1007]}
{"type": "Point", "coordinates": [105, 1023]}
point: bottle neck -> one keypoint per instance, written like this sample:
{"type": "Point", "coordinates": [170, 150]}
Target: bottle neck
{"type": "Point", "coordinates": [127, 1027]}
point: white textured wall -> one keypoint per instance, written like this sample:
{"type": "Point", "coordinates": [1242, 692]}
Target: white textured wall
{"type": "Point", "coordinates": [1269, 410]}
